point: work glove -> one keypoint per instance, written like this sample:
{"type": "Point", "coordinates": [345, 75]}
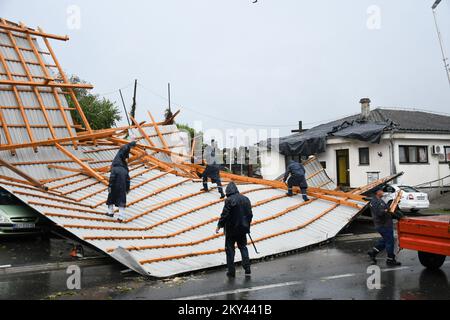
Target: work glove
{"type": "Point", "coordinates": [398, 215]}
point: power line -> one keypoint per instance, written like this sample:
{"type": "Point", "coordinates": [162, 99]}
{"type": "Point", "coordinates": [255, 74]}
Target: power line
{"type": "Point", "coordinates": [215, 117]}
{"type": "Point", "coordinates": [116, 91]}
{"type": "Point", "coordinates": [441, 41]}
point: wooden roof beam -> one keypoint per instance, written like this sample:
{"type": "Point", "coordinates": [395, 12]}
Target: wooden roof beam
{"type": "Point", "coordinates": [24, 175]}
{"type": "Point", "coordinates": [84, 166]}
{"type": "Point", "coordinates": [50, 84]}
{"type": "Point", "coordinates": [21, 29]}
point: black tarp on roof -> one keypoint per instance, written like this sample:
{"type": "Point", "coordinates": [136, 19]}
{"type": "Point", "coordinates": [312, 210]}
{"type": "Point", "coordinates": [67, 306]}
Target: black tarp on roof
{"type": "Point", "coordinates": [380, 120]}
{"type": "Point", "coordinates": [314, 140]}
{"type": "Point", "coordinates": [362, 131]}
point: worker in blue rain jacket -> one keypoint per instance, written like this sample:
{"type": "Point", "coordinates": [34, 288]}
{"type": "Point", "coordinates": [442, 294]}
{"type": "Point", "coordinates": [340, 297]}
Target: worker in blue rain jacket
{"type": "Point", "coordinates": [295, 177]}
{"type": "Point", "coordinates": [384, 225]}
{"type": "Point", "coordinates": [212, 170]}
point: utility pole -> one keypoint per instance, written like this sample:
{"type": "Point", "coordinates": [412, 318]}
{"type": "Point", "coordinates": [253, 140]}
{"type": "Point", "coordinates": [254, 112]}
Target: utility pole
{"type": "Point", "coordinates": [133, 106]}
{"type": "Point", "coordinates": [169, 95]}
{"type": "Point", "coordinates": [124, 107]}
{"type": "Point", "coordinates": [441, 42]}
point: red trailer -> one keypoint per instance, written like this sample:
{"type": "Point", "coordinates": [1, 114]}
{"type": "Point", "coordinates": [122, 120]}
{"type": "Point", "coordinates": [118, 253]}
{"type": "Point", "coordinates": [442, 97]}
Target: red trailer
{"type": "Point", "coordinates": [430, 236]}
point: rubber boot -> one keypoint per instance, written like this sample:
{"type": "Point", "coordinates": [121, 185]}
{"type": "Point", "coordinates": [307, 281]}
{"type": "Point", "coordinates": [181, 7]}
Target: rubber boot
{"type": "Point", "coordinates": [110, 212]}
{"type": "Point", "coordinates": [305, 197]}
{"type": "Point", "coordinates": [121, 216]}
{"type": "Point", "coordinates": [222, 195]}
{"type": "Point", "coordinates": [205, 187]}
{"type": "Point", "coordinates": [392, 262]}
{"type": "Point", "coordinates": [231, 274]}
{"type": "Point", "coordinates": [289, 193]}
{"type": "Point", "coordinates": [248, 272]}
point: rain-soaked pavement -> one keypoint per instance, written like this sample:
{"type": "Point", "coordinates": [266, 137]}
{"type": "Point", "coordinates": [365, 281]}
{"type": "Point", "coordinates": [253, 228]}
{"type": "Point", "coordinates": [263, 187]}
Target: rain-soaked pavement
{"type": "Point", "coordinates": [337, 270]}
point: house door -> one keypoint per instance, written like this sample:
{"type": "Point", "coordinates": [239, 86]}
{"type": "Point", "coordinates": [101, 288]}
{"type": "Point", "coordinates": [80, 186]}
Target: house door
{"type": "Point", "coordinates": [343, 167]}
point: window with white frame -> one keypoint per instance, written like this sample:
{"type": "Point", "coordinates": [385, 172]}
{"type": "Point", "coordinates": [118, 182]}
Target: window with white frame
{"type": "Point", "coordinates": [414, 154]}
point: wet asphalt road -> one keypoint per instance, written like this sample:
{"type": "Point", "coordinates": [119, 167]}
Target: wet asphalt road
{"type": "Point", "coordinates": [337, 270]}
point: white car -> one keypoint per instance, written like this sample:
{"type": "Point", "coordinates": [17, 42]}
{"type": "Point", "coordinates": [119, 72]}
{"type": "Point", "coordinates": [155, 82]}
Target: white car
{"type": "Point", "coordinates": [412, 199]}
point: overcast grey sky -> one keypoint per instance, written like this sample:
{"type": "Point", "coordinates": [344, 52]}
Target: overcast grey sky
{"type": "Point", "coordinates": [233, 63]}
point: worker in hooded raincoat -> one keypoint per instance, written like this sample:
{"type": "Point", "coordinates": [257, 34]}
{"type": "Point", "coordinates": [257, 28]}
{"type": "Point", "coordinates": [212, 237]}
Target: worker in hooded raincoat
{"type": "Point", "coordinates": [236, 219]}
{"type": "Point", "coordinates": [212, 170]}
{"type": "Point", "coordinates": [295, 177]}
{"type": "Point", "coordinates": [119, 182]}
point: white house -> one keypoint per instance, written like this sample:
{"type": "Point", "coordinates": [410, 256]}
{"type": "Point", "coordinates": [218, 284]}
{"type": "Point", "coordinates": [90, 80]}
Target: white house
{"type": "Point", "coordinates": [370, 145]}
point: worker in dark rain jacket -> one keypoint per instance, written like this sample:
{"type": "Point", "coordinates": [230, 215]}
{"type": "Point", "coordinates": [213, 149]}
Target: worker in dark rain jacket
{"type": "Point", "coordinates": [119, 182]}
{"type": "Point", "coordinates": [212, 170]}
{"type": "Point", "coordinates": [295, 177]}
{"type": "Point", "coordinates": [384, 225]}
{"type": "Point", "coordinates": [236, 219]}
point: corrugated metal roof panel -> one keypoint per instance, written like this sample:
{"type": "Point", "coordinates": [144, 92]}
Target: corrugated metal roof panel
{"type": "Point", "coordinates": [170, 223]}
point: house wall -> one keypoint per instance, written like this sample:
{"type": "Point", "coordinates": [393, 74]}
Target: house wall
{"type": "Point", "coordinates": [273, 163]}
{"type": "Point", "coordinates": [358, 173]}
{"type": "Point", "coordinates": [419, 173]}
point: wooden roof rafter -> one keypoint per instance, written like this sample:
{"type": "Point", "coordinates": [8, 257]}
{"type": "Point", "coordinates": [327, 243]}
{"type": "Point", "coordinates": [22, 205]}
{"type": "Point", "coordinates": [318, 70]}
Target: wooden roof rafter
{"type": "Point", "coordinates": [55, 92]}
{"type": "Point", "coordinates": [10, 26]}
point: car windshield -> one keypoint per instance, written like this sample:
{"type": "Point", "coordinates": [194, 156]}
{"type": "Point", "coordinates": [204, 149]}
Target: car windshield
{"type": "Point", "coordinates": [408, 189]}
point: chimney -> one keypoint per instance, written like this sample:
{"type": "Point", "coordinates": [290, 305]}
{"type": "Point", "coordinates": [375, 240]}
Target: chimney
{"type": "Point", "coordinates": [365, 108]}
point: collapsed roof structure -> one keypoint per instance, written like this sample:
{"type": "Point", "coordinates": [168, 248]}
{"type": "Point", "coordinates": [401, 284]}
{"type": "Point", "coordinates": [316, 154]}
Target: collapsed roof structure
{"type": "Point", "coordinates": [61, 169]}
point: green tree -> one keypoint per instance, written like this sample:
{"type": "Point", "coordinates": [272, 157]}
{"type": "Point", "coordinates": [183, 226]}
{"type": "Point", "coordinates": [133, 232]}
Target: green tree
{"type": "Point", "coordinates": [101, 113]}
{"type": "Point", "coordinates": [186, 128]}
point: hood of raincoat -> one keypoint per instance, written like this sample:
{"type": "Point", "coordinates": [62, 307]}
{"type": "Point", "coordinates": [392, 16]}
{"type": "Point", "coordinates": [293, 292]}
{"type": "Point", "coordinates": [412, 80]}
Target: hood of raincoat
{"type": "Point", "coordinates": [121, 157]}
{"type": "Point", "coordinates": [231, 189]}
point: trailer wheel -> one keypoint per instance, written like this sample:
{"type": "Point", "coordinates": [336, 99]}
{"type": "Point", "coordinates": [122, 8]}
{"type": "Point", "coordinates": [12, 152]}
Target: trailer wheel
{"type": "Point", "coordinates": [431, 260]}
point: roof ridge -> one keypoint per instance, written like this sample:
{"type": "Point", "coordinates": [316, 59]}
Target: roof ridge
{"type": "Point", "coordinates": [412, 109]}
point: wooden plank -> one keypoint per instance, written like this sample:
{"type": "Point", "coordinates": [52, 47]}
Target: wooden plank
{"type": "Point", "coordinates": [394, 205]}
{"type": "Point", "coordinates": [142, 132]}
{"type": "Point", "coordinates": [63, 200]}
{"type": "Point", "coordinates": [21, 48]}
{"type": "Point", "coordinates": [281, 185]}
{"type": "Point", "coordinates": [158, 191]}
{"type": "Point", "coordinates": [6, 132]}
{"type": "Point", "coordinates": [209, 252]}
{"type": "Point", "coordinates": [66, 81]}
{"type": "Point", "coordinates": [51, 84]}
{"type": "Point", "coordinates": [55, 93]}
{"type": "Point", "coordinates": [15, 180]}
{"type": "Point", "coordinates": [9, 27]}
{"type": "Point", "coordinates": [85, 167]}
{"type": "Point", "coordinates": [156, 126]}
{"type": "Point", "coordinates": [19, 102]}
{"type": "Point", "coordinates": [51, 142]}
{"type": "Point", "coordinates": [106, 188]}
{"type": "Point", "coordinates": [162, 221]}
{"type": "Point", "coordinates": [34, 108]}
{"type": "Point", "coordinates": [30, 78]}
{"type": "Point", "coordinates": [204, 223]}
{"type": "Point", "coordinates": [78, 171]}
{"type": "Point", "coordinates": [47, 181]}
{"type": "Point", "coordinates": [171, 119]}
{"type": "Point", "coordinates": [24, 175]}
